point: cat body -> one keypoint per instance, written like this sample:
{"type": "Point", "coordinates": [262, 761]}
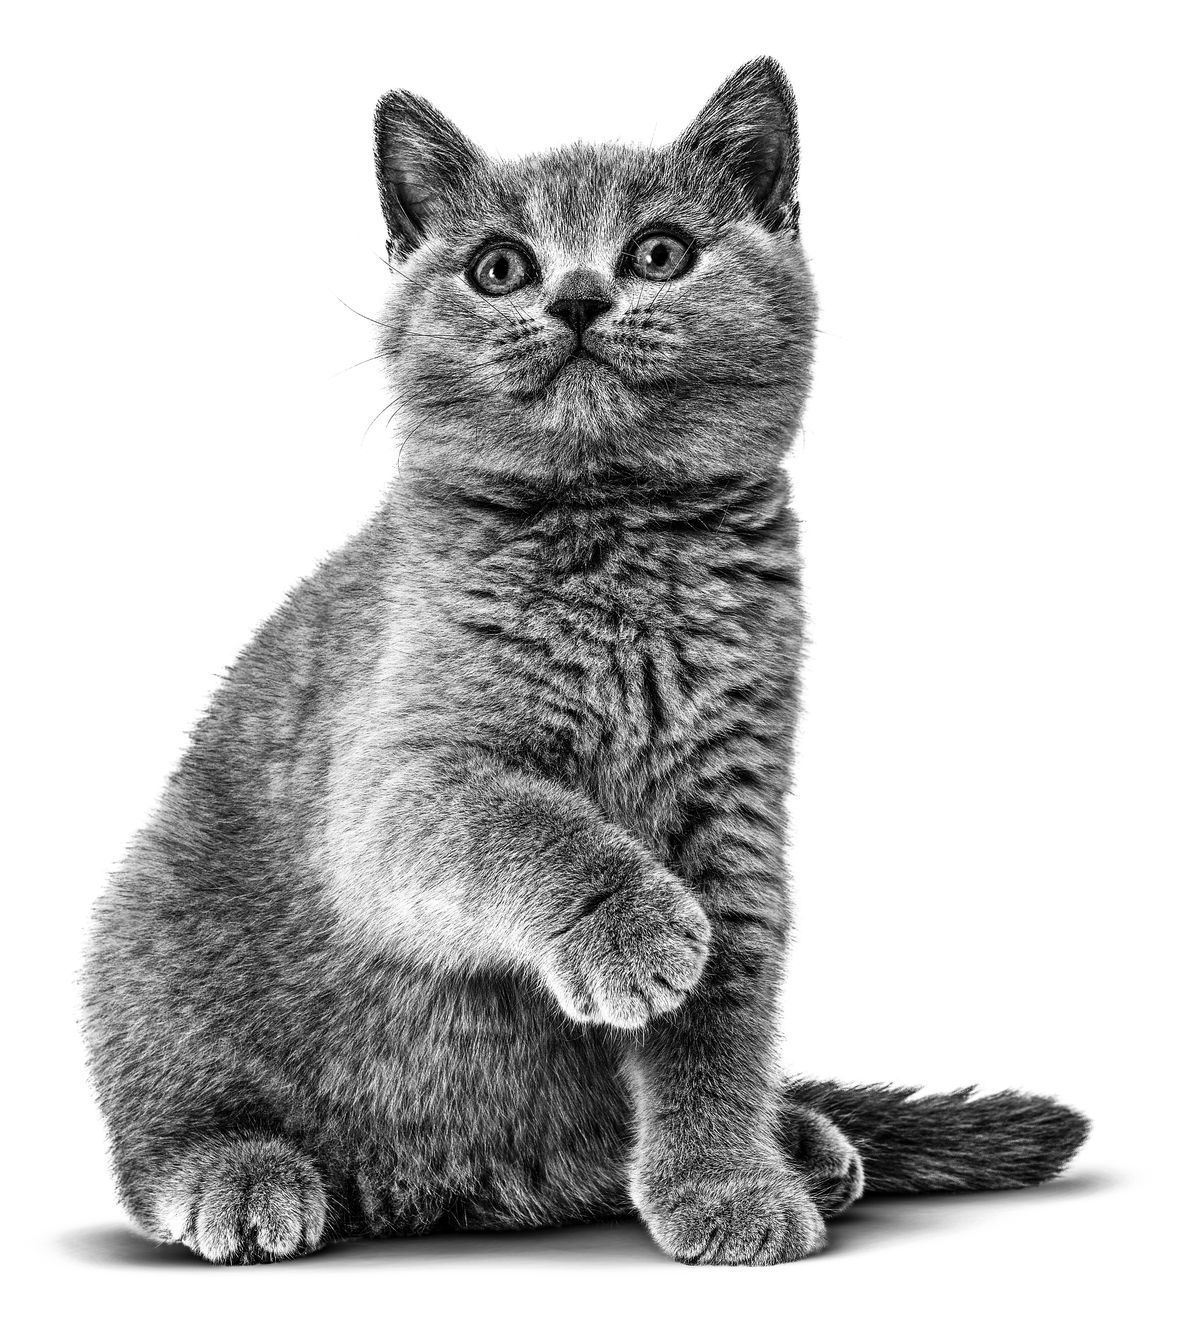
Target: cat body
{"type": "Point", "coordinates": [418, 1068]}
{"type": "Point", "coordinates": [467, 906]}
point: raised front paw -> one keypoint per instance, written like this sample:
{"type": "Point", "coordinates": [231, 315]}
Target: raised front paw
{"type": "Point", "coordinates": [754, 1213]}
{"type": "Point", "coordinates": [240, 1201]}
{"type": "Point", "coordinates": [632, 952]}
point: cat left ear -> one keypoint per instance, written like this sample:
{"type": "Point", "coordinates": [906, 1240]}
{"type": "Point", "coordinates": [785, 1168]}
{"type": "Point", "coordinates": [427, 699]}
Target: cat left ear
{"type": "Point", "coordinates": [421, 161]}
{"type": "Point", "coordinates": [749, 129]}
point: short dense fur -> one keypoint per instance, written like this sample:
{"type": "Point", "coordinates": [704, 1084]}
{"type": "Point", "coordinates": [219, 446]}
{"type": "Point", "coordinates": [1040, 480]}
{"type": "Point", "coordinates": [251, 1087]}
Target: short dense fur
{"type": "Point", "coordinates": [467, 905]}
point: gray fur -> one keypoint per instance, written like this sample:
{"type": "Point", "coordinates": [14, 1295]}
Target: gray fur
{"type": "Point", "coordinates": [467, 904]}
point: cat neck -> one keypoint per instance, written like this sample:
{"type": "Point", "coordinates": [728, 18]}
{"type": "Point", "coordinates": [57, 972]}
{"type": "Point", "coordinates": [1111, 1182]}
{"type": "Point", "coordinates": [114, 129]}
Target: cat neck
{"type": "Point", "coordinates": [609, 499]}
{"type": "Point", "coordinates": [493, 528]}
{"type": "Point", "coordinates": [606, 496]}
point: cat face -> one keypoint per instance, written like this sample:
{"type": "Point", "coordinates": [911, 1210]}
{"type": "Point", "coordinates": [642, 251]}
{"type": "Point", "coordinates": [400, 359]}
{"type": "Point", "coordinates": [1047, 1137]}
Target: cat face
{"type": "Point", "coordinates": [600, 310]}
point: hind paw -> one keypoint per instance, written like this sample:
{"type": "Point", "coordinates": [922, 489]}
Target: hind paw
{"type": "Point", "coordinates": [241, 1201]}
{"type": "Point", "coordinates": [830, 1164]}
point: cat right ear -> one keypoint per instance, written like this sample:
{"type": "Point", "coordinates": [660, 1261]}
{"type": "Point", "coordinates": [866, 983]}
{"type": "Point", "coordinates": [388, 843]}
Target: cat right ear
{"type": "Point", "coordinates": [748, 129]}
{"type": "Point", "coordinates": [421, 160]}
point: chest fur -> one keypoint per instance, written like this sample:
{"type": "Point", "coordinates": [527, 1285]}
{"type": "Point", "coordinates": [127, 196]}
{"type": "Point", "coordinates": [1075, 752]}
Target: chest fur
{"type": "Point", "coordinates": [620, 657]}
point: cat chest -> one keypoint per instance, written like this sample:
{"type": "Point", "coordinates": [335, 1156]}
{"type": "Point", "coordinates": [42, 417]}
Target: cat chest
{"type": "Point", "coordinates": [625, 690]}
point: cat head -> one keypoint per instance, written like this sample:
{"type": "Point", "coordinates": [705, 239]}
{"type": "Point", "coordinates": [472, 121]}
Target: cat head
{"type": "Point", "coordinates": [599, 310]}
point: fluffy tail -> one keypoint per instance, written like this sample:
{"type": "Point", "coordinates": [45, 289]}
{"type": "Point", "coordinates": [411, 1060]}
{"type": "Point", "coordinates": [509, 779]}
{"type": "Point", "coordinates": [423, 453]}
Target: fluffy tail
{"type": "Point", "coordinates": [948, 1143]}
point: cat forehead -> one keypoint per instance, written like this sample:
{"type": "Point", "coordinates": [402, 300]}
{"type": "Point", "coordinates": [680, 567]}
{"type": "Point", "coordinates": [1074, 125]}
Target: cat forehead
{"type": "Point", "coordinates": [591, 193]}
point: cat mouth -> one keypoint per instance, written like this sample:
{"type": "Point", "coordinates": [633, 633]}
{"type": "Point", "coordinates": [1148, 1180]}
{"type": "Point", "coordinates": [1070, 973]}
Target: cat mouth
{"type": "Point", "coordinates": [582, 361]}
{"type": "Point", "coordinates": [582, 357]}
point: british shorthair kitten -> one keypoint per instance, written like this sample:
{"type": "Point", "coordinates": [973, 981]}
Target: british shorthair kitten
{"type": "Point", "coordinates": [467, 905]}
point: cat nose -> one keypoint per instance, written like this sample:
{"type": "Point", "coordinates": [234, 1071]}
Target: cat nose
{"type": "Point", "coordinates": [578, 313]}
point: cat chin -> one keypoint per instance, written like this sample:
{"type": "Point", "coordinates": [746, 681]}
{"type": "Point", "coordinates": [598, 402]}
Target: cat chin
{"type": "Point", "coordinates": [589, 397]}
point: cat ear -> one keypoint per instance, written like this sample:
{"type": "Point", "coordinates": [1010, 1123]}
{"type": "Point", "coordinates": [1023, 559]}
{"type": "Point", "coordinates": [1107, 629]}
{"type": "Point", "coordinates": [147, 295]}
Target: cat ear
{"type": "Point", "coordinates": [748, 129]}
{"type": "Point", "coordinates": [421, 161]}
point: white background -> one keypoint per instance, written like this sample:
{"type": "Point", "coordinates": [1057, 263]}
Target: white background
{"type": "Point", "coordinates": [989, 826]}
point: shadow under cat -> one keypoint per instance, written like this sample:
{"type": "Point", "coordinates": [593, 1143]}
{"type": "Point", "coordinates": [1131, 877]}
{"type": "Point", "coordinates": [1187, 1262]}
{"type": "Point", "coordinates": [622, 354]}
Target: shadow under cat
{"type": "Point", "coordinates": [623, 1242]}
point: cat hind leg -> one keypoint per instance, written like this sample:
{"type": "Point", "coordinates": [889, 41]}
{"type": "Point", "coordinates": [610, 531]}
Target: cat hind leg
{"type": "Point", "coordinates": [239, 1200]}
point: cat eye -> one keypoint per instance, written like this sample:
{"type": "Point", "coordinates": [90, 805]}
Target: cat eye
{"type": "Point", "coordinates": [659, 256]}
{"type": "Point", "coordinates": [500, 268]}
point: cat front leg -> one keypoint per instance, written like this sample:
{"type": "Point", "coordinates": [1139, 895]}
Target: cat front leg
{"type": "Point", "coordinates": [630, 951]}
{"type": "Point", "coordinates": [491, 865]}
{"type": "Point", "coordinates": [711, 1179]}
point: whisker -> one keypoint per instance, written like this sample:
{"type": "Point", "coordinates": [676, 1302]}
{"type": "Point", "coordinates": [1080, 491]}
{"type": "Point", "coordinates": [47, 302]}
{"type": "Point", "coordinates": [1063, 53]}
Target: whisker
{"type": "Point", "coordinates": [392, 405]}
{"type": "Point", "coordinates": [491, 306]}
{"type": "Point", "coordinates": [384, 325]}
{"type": "Point", "coordinates": [425, 334]}
{"type": "Point", "coordinates": [404, 330]}
{"type": "Point", "coordinates": [661, 285]}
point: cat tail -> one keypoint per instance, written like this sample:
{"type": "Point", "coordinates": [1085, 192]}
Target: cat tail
{"type": "Point", "coordinates": [948, 1143]}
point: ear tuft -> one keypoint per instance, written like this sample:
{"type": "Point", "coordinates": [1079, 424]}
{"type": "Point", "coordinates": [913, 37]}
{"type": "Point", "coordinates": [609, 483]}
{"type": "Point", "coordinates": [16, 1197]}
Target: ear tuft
{"type": "Point", "coordinates": [748, 129]}
{"type": "Point", "coordinates": [421, 160]}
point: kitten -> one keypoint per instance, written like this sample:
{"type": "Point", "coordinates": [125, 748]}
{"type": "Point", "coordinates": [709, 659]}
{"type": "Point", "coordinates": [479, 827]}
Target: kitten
{"type": "Point", "coordinates": [467, 906]}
